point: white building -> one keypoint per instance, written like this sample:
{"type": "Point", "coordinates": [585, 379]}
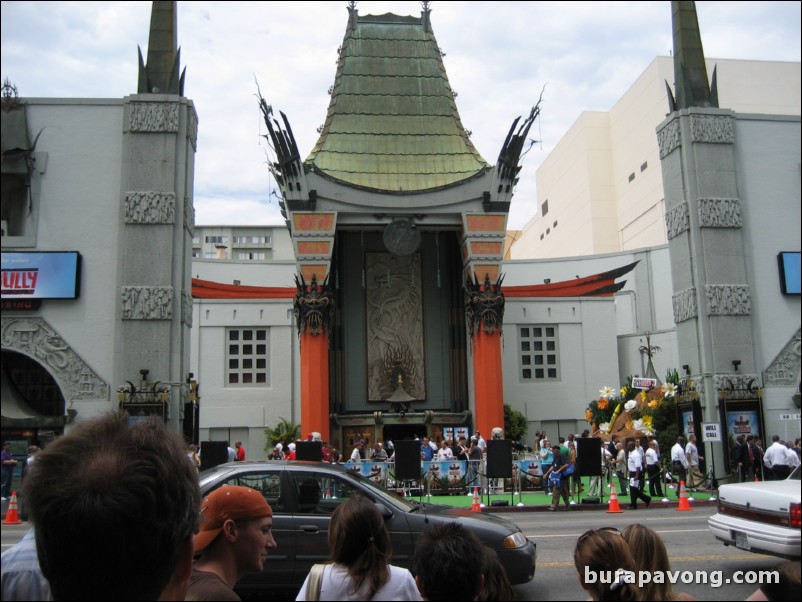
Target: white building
{"type": "Point", "coordinates": [603, 177]}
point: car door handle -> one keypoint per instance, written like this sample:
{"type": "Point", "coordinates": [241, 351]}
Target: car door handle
{"type": "Point", "coordinates": [308, 528]}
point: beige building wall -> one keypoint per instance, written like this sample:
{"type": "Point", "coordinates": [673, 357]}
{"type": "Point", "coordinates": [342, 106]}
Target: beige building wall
{"type": "Point", "coordinates": [602, 182]}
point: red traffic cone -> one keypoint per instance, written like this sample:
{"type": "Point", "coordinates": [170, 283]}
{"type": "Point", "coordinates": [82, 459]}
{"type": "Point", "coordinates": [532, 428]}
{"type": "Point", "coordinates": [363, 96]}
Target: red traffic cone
{"type": "Point", "coordinates": [12, 516]}
{"type": "Point", "coordinates": [475, 505]}
{"type": "Point", "coordinates": [683, 497]}
{"type": "Point", "coordinates": [614, 507]}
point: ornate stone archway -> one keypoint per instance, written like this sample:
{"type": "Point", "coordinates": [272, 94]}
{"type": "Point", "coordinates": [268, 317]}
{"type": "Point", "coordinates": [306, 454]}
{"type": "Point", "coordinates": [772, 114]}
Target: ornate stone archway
{"type": "Point", "coordinates": [35, 338]}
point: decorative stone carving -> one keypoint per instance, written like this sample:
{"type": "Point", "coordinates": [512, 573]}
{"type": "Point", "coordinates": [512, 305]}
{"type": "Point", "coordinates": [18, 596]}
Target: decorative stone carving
{"type": "Point", "coordinates": [189, 215]}
{"type": "Point", "coordinates": [38, 340]}
{"type": "Point", "coordinates": [186, 308]}
{"type": "Point", "coordinates": [161, 117]}
{"type": "Point", "coordinates": [313, 306]}
{"type": "Point", "coordinates": [736, 386]}
{"type": "Point", "coordinates": [720, 213]}
{"type": "Point", "coordinates": [147, 302]}
{"type": "Point", "coordinates": [784, 371]}
{"type": "Point", "coordinates": [668, 139]}
{"type": "Point", "coordinates": [728, 300]}
{"type": "Point", "coordinates": [713, 129]}
{"type": "Point", "coordinates": [394, 330]}
{"type": "Point", "coordinates": [149, 207]}
{"type": "Point", "coordinates": [677, 220]}
{"type": "Point", "coordinates": [684, 304]}
{"type": "Point", "coordinates": [192, 127]}
{"type": "Point", "coordinates": [484, 305]}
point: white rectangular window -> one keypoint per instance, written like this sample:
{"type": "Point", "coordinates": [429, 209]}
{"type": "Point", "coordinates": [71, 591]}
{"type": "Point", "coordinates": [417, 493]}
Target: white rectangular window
{"type": "Point", "coordinates": [247, 357]}
{"type": "Point", "coordinates": [250, 256]}
{"type": "Point", "coordinates": [538, 353]}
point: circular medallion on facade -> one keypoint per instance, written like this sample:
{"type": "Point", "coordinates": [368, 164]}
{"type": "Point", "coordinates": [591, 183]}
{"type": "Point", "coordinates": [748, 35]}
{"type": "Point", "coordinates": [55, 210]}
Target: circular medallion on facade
{"type": "Point", "coordinates": [401, 237]}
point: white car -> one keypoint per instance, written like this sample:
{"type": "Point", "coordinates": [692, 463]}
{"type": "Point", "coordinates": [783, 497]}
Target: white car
{"type": "Point", "coordinates": [760, 517]}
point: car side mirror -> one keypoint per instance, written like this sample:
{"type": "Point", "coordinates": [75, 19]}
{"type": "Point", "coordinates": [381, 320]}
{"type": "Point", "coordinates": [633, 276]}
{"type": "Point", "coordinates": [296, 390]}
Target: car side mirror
{"type": "Point", "coordinates": [384, 510]}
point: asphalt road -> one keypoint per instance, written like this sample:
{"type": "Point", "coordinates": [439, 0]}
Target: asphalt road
{"type": "Point", "coordinates": [690, 547]}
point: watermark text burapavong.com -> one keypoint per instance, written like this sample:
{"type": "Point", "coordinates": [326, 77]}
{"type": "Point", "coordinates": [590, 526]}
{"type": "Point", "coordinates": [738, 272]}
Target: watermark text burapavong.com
{"type": "Point", "coordinates": [714, 578]}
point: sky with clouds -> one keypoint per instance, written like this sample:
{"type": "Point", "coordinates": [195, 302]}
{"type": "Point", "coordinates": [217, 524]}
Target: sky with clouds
{"type": "Point", "coordinates": [499, 57]}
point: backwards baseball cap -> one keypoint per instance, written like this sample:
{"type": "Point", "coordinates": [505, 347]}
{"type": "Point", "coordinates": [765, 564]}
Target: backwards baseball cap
{"type": "Point", "coordinates": [229, 502]}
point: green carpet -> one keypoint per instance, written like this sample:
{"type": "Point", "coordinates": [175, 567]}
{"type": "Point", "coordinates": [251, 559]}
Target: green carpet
{"type": "Point", "coordinates": [538, 498]}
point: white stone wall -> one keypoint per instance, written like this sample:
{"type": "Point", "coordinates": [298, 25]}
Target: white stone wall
{"type": "Point", "coordinates": [79, 210]}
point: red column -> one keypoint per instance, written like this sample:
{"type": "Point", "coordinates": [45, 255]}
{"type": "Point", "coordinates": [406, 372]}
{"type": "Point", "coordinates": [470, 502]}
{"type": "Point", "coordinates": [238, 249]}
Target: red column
{"type": "Point", "coordinates": [488, 381]}
{"type": "Point", "coordinates": [315, 384]}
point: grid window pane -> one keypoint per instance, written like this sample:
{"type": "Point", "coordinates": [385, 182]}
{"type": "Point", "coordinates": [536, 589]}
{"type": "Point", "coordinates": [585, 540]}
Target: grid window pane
{"type": "Point", "coordinates": [534, 342]}
{"type": "Point", "coordinates": [248, 364]}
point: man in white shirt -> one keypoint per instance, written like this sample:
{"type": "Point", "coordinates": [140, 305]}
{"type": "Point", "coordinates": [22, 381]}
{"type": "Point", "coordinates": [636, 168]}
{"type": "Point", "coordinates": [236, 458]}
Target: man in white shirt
{"type": "Point", "coordinates": [635, 466]}
{"type": "Point", "coordinates": [653, 469]}
{"type": "Point", "coordinates": [444, 453]}
{"type": "Point", "coordinates": [679, 463]}
{"type": "Point", "coordinates": [356, 455]}
{"type": "Point", "coordinates": [775, 459]}
{"type": "Point", "coordinates": [695, 476]}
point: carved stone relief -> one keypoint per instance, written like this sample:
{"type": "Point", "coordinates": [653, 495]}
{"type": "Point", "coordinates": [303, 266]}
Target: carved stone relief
{"type": "Point", "coordinates": [720, 213]}
{"type": "Point", "coordinates": [189, 216]}
{"type": "Point", "coordinates": [677, 220]}
{"type": "Point", "coordinates": [668, 139]}
{"type": "Point", "coordinates": [186, 308]}
{"type": "Point", "coordinates": [154, 117]}
{"type": "Point", "coordinates": [736, 385]}
{"type": "Point", "coordinates": [728, 300]}
{"type": "Point", "coordinates": [784, 371]}
{"type": "Point", "coordinates": [149, 207]}
{"type": "Point", "coordinates": [394, 325]}
{"type": "Point", "coordinates": [37, 339]}
{"type": "Point", "coordinates": [192, 127]}
{"type": "Point", "coordinates": [684, 304]}
{"type": "Point", "coordinates": [713, 129]}
{"type": "Point", "coordinates": [147, 302]}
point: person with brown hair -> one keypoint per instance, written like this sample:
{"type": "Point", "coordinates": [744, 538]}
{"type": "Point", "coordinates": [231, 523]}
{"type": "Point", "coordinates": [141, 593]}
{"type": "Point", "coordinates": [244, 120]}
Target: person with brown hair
{"type": "Point", "coordinates": [497, 586]}
{"type": "Point", "coordinates": [648, 548]}
{"type": "Point", "coordinates": [115, 508]}
{"type": "Point", "coordinates": [236, 533]}
{"type": "Point", "coordinates": [360, 566]}
{"type": "Point", "coordinates": [605, 565]}
{"type": "Point", "coordinates": [448, 563]}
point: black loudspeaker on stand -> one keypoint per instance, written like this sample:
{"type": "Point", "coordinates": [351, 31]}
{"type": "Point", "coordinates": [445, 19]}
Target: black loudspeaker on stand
{"type": "Point", "coordinates": [499, 462]}
{"type": "Point", "coordinates": [213, 453]}
{"type": "Point", "coordinates": [309, 450]}
{"type": "Point", "coordinates": [588, 462]}
{"type": "Point", "coordinates": [407, 461]}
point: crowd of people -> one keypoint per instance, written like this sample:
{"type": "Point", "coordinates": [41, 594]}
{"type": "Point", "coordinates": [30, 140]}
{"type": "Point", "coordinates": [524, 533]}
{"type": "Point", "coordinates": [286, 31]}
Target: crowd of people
{"type": "Point", "coordinates": [126, 497]}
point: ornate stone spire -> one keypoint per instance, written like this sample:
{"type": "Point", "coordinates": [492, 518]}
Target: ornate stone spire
{"type": "Point", "coordinates": [690, 73]}
{"type": "Point", "coordinates": [160, 75]}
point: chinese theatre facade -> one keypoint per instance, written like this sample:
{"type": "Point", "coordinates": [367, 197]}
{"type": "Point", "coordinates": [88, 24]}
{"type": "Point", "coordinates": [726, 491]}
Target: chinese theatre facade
{"type": "Point", "coordinates": [398, 227]}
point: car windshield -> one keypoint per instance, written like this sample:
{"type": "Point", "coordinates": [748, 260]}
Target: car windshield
{"type": "Point", "coordinates": [794, 476]}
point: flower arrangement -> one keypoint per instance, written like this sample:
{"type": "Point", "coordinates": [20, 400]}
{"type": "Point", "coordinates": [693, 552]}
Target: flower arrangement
{"type": "Point", "coordinates": [640, 405]}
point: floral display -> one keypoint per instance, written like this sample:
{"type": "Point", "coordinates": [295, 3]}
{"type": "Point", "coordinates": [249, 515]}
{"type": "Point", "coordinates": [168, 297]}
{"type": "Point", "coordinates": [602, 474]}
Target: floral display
{"type": "Point", "coordinates": [639, 407]}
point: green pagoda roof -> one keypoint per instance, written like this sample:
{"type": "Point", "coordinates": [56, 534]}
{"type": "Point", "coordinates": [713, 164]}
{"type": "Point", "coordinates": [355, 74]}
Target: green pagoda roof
{"type": "Point", "coordinates": [392, 123]}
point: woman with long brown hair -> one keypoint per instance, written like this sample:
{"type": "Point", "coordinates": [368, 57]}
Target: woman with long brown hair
{"type": "Point", "coordinates": [650, 551]}
{"type": "Point", "coordinates": [360, 566]}
{"type": "Point", "coordinates": [605, 566]}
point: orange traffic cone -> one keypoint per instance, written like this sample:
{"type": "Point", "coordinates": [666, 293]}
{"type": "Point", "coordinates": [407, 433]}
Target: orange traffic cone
{"type": "Point", "coordinates": [475, 505]}
{"type": "Point", "coordinates": [12, 516]}
{"type": "Point", "coordinates": [683, 497]}
{"type": "Point", "coordinates": [614, 507]}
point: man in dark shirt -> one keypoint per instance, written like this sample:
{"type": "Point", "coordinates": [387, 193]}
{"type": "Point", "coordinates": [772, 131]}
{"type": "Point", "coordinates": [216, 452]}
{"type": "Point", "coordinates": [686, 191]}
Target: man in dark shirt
{"type": "Point", "coordinates": [560, 481]}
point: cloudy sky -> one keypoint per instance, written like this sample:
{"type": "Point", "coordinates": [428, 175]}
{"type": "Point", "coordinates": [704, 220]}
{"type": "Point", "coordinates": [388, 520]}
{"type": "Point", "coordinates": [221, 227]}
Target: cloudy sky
{"type": "Point", "coordinates": [498, 57]}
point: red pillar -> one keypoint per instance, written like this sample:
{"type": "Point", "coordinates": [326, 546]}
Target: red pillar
{"type": "Point", "coordinates": [488, 381]}
{"type": "Point", "coordinates": [315, 384]}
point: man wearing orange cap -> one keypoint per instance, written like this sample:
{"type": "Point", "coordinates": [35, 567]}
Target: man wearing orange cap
{"type": "Point", "coordinates": [235, 537]}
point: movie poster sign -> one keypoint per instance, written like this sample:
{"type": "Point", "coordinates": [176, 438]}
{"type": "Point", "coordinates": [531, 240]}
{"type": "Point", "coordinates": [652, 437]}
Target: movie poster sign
{"type": "Point", "coordinates": [41, 275]}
